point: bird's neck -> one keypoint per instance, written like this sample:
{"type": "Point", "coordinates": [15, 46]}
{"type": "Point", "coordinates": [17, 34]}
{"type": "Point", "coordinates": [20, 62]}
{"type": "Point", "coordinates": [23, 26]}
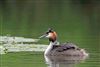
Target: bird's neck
{"type": "Point", "coordinates": [54, 43]}
{"type": "Point", "coordinates": [49, 48]}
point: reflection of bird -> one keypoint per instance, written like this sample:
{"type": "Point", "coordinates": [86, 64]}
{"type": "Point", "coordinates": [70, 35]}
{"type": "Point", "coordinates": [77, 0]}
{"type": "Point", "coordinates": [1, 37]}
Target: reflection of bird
{"type": "Point", "coordinates": [56, 49]}
{"type": "Point", "coordinates": [63, 61]}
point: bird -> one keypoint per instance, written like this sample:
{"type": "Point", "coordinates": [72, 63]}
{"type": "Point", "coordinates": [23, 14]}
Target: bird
{"type": "Point", "coordinates": [64, 49]}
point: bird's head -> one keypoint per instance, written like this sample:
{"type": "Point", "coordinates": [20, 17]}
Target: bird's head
{"type": "Point", "coordinates": [51, 34]}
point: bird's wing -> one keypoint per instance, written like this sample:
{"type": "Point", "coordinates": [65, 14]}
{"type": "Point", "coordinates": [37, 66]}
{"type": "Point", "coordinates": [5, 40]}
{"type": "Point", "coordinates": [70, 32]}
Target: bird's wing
{"type": "Point", "coordinates": [64, 47]}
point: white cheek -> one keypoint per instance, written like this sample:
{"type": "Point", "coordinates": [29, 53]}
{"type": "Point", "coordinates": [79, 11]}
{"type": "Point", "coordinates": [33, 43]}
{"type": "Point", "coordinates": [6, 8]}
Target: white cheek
{"type": "Point", "coordinates": [49, 35]}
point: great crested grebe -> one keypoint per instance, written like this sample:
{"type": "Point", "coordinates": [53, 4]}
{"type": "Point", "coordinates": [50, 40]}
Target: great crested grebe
{"type": "Point", "coordinates": [56, 49]}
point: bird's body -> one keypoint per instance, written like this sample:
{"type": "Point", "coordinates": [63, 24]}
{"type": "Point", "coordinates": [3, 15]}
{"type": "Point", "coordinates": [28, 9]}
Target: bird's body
{"type": "Point", "coordinates": [65, 49]}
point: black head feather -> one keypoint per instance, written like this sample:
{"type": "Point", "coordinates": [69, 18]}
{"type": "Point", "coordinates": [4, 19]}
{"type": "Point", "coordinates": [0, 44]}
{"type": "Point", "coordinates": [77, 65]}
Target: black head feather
{"type": "Point", "coordinates": [49, 30]}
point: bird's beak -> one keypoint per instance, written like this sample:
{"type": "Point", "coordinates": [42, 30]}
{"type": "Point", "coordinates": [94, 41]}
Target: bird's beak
{"type": "Point", "coordinates": [43, 36]}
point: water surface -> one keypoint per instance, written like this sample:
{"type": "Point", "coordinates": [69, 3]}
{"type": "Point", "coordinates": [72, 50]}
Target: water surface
{"type": "Point", "coordinates": [32, 59]}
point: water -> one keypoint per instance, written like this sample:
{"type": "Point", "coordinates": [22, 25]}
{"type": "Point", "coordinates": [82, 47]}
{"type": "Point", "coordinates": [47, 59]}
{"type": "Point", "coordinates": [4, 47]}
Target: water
{"type": "Point", "coordinates": [76, 21]}
{"type": "Point", "coordinates": [33, 59]}
{"type": "Point", "coordinates": [93, 60]}
{"type": "Point", "coordinates": [63, 61]}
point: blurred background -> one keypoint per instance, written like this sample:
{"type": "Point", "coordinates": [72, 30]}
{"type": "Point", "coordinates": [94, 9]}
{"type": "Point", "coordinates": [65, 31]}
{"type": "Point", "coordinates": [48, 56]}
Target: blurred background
{"type": "Point", "coordinates": [76, 21]}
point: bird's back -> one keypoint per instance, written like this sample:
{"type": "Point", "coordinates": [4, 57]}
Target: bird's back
{"type": "Point", "coordinates": [65, 49]}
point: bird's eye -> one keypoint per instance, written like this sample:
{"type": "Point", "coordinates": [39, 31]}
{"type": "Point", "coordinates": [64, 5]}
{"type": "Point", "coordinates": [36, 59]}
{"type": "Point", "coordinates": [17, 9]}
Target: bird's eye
{"type": "Point", "coordinates": [47, 32]}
